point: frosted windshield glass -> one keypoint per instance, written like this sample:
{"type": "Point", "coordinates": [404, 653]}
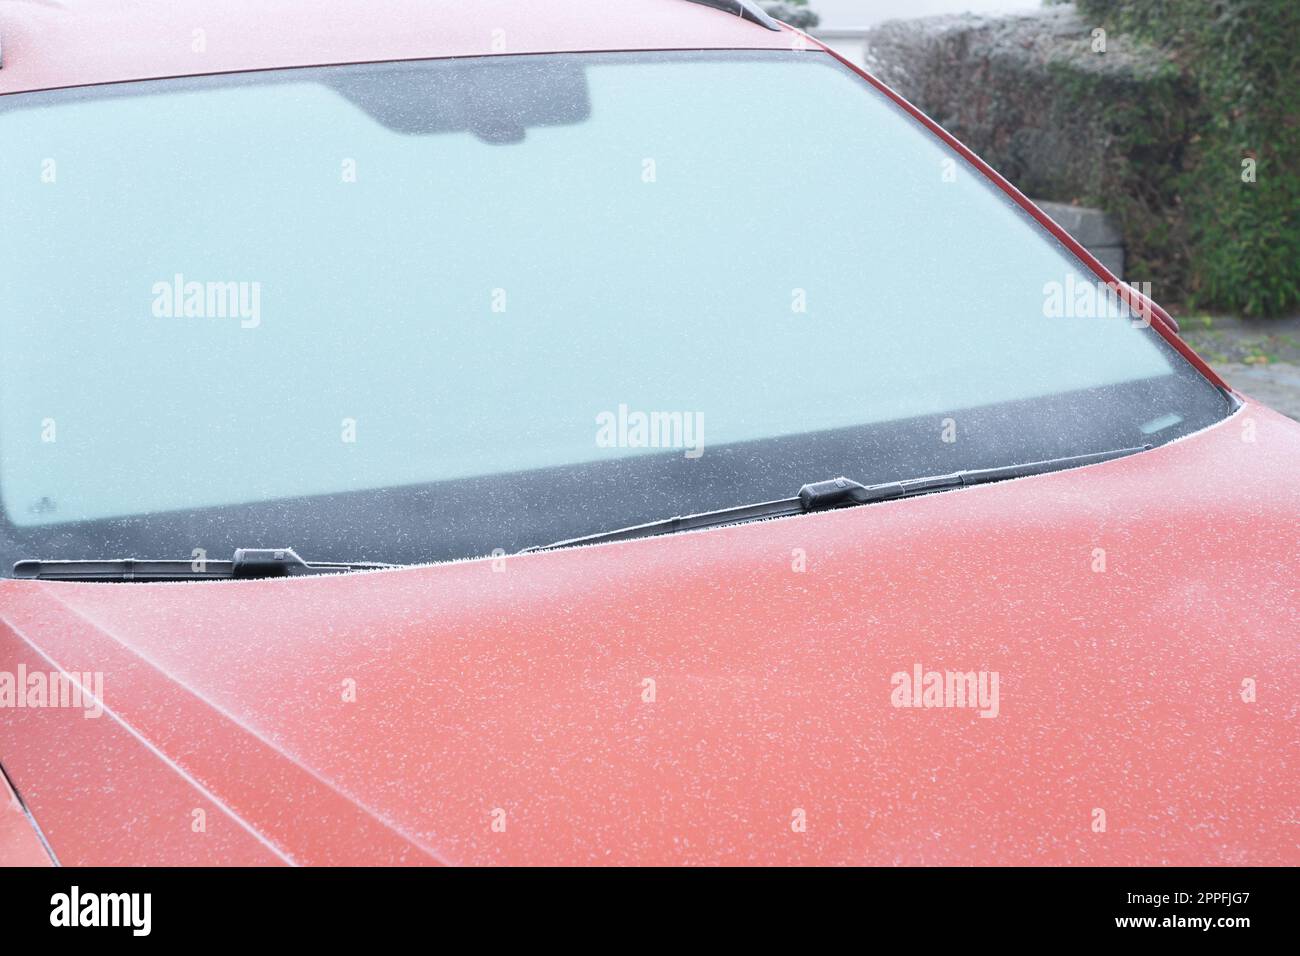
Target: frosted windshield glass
{"type": "Point", "coordinates": [232, 290]}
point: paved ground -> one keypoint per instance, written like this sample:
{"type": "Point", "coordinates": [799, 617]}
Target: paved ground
{"type": "Point", "coordinates": [1276, 385]}
{"type": "Point", "coordinates": [1261, 357]}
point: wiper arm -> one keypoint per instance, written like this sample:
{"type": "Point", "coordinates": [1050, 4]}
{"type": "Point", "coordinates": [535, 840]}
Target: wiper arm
{"type": "Point", "coordinates": [248, 563]}
{"type": "Point", "coordinates": [837, 493]}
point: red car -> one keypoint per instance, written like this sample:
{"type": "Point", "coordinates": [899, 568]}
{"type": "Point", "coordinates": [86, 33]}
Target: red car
{"type": "Point", "coordinates": [355, 360]}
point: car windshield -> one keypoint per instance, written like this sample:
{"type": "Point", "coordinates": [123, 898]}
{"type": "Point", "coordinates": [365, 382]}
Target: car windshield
{"type": "Point", "coordinates": [411, 312]}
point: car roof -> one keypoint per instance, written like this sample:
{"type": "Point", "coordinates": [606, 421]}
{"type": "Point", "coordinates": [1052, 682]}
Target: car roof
{"type": "Point", "coordinates": [48, 44]}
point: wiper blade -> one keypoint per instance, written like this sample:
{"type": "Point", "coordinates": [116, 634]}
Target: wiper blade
{"type": "Point", "coordinates": [837, 493]}
{"type": "Point", "coordinates": [247, 564]}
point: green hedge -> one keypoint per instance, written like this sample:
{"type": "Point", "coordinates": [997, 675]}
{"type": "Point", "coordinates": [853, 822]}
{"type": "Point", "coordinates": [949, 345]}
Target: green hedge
{"type": "Point", "coordinates": [1232, 245]}
{"type": "Point", "coordinates": [793, 12]}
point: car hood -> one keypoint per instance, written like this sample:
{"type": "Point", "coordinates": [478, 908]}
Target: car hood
{"type": "Point", "coordinates": [728, 696]}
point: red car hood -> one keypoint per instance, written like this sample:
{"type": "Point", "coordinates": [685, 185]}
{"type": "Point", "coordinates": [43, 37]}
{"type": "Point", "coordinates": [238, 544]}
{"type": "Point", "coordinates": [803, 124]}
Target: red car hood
{"type": "Point", "coordinates": [697, 699]}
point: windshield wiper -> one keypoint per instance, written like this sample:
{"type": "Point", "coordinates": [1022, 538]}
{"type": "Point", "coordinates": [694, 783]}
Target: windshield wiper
{"type": "Point", "coordinates": [248, 563]}
{"type": "Point", "coordinates": [837, 493]}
